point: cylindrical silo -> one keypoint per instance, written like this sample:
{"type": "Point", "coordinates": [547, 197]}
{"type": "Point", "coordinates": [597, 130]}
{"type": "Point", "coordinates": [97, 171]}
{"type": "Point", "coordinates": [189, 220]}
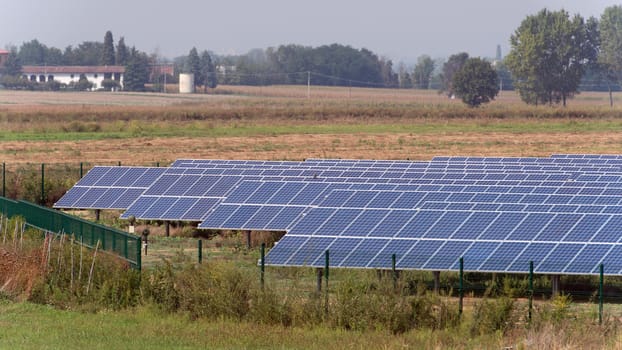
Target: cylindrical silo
{"type": "Point", "coordinates": [186, 83]}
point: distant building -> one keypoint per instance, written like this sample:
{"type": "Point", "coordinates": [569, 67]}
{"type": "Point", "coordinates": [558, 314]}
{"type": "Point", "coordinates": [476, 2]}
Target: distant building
{"type": "Point", "coordinates": [4, 56]}
{"type": "Point", "coordinates": [71, 74]}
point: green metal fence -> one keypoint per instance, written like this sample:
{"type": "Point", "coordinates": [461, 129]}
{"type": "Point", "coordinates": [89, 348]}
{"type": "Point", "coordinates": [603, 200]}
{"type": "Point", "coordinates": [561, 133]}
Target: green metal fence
{"type": "Point", "coordinates": [124, 245]}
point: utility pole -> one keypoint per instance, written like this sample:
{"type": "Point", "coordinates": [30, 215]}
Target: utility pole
{"type": "Point", "coordinates": [308, 84]}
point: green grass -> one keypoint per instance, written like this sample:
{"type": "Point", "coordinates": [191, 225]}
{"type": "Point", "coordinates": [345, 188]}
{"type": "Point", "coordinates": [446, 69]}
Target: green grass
{"type": "Point", "coordinates": [30, 326]}
{"type": "Point", "coordinates": [208, 130]}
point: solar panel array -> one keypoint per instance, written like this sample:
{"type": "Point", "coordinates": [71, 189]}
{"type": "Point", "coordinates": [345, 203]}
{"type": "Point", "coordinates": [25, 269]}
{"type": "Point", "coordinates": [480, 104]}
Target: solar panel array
{"type": "Point", "coordinates": [498, 213]}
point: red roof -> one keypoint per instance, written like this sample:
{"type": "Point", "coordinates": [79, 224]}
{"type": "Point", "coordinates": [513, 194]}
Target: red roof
{"type": "Point", "coordinates": [4, 52]}
{"type": "Point", "coordinates": [72, 69]}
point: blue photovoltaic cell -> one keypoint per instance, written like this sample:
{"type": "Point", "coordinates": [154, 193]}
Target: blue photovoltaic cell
{"type": "Point", "coordinates": [312, 220]}
{"type": "Point", "coordinates": [138, 208]}
{"type": "Point", "coordinates": [285, 219]}
{"type": "Point", "coordinates": [241, 216]}
{"type": "Point", "coordinates": [474, 225]}
{"type": "Point", "coordinates": [93, 176]}
{"type": "Point", "coordinates": [90, 196]}
{"type": "Point", "coordinates": [339, 250]}
{"type": "Point", "coordinates": [502, 256]}
{"type": "Point", "coordinates": [113, 174]}
{"type": "Point", "coordinates": [447, 256]}
{"type": "Point", "coordinates": [392, 223]}
{"type": "Point", "coordinates": [285, 194]}
{"type": "Point", "coordinates": [362, 255]}
{"type": "Point", "coordinates": [262, 217]}
{"type": "Point", "coordinates": [218, 216]}
{"type": "Point", "coordinates": [420, 253]}
{"type": "Point", "coordinates": [558, 258]}
{"type": "Point", "coordinates": [181, 185]}
{"type": "Point", "coordinates": [310, 251]}
{"type": "Point", "coordinates": [584, 261]}
{"type": "Point", "coordinates": [610, 231]}
{"type": "Point", "coordinates": [447, 224]}
{"type": "Point", "coordinates": [201, 186]}
{"type": "Point", "coordinates": [158, 208]}
{"type": "Point", "coordinates": [200, 209]}
{"type": "Point", "coordinates": [420, 224]}
{"type": "Point", "coordinates": [338, 222]}
{"type": "Point", "coordinates": [177, 210]}
{"type": "Point", "coordinates": [109, 198]}
{"type": "Point", "coordinates": [535, 252]}
{"type": "Point", "coordinates": [364, 224]}
{"type": "Point", "coordinates": [284, 250]}
{"type": "Point", "coordinates": [476, 254]}
{"type": "Point", "coordinates": [384, 258]}
{"type": "Point", "coordinates": [72, 196]}
{"type": "Point", "coordinates": [612, 262]}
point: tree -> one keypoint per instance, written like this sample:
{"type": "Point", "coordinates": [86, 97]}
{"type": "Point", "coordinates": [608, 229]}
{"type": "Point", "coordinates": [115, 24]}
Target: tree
{"type": "Point", "coordinates": [136, 71]}
{"type": "Point", "coordinates": [122, 53]}
{"type": "Point", "coordinates": [108, 57]}
{"type": "Point", "coordinates": [193, 65]}
{"type": "Point", "coordinates": [423, 72]}
{"type": "Point", "coordinates": [550, 52]}
{"type": "Point", "coordinates": [609, 58]}
{"type": "Point", "coordinates": [208, 71]}
{"type": "Point", "coordinates": [13, 64]}
{"type": "Point", "coordinates": [32, 53]}
{"type": "Point", "coordinates": [83, 83]}
{"type": "Point", "coordinates": [403, 76]}
{"type": "Point", "coordinates": [476, 83]}
{"type": "Point", "coordinates": [450, 68]}
{"type": "Point", "coordinates": [88, 53]}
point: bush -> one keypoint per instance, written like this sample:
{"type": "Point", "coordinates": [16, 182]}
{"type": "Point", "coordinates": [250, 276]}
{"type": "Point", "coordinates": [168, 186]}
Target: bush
{"type": "Point", "coordinates": [492, 315]}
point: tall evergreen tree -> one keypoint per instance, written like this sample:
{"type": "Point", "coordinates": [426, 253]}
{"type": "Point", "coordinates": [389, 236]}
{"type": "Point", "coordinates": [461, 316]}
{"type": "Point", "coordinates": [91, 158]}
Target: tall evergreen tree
{"type": "Point", "coordinates": [136, 71]}
{"type": "Point", "coordinates": [193, 65]}
{"type": "Point", "coordinates": [108, 57]}
{"type": "Point", "coordinates": [122, 53]}
{"type": "Point", "coordinates": [208, 71]}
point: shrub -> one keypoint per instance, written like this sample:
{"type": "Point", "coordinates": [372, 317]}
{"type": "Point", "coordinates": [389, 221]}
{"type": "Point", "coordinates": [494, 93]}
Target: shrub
{"type": "Point", "coordinates": [492, 315]}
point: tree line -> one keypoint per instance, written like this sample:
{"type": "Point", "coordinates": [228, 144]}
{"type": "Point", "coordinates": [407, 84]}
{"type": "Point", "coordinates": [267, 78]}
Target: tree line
{"type": "Point", "coordinates": [553, 56]}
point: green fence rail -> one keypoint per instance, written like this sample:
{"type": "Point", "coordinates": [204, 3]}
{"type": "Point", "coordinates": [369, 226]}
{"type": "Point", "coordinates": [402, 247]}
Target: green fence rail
{"type": "Point", "coordinates": [123, 244]}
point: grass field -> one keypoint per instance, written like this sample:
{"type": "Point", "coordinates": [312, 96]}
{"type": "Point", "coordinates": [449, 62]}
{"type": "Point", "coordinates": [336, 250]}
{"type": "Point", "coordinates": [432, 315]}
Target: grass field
{"type": "Point", "coordinates": [276, 123]}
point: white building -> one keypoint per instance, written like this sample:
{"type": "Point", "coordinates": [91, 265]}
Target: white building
{"type": "Point", "coordinates": [69, 74]}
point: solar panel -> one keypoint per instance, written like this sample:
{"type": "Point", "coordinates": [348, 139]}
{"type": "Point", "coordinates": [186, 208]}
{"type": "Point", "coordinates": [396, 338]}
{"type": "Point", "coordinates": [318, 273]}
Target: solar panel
{"type": "Point", "coordinates": [437, 239]}
{"type": "Point", "coordinates": [498, 213]}
{"type": "Point", "coordinates": [109, 187]}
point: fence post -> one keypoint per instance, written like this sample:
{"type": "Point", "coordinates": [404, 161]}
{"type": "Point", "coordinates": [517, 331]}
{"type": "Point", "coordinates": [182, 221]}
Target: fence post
{"type": "Point", "coordinates": [200, 248]}
{"type": "Point", "coordinates": [263, 263]}
{"type": "Point", "coordinates": [3, 179]}
{"type": "Point", "coordinates": [81, 169]}
{"type": "Point", "coordinates": [138, 253]}
{"type": "Point", "coordinates": [530, 289]}
{"type": "Point", "coordinates": [42, 183]}
{"type": "Point", "coordinates": [460, 286]}
{"type": "Point", "coordinates": [326, 274]}
{"type": "Point", "coordinates": [393, 258]}
{"type": "Point", "coordinates": [600, 294]}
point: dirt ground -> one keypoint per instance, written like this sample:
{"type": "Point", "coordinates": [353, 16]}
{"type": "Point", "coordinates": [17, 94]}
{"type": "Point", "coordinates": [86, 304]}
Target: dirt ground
{"type": "Point", "coordinates": [143, 151]}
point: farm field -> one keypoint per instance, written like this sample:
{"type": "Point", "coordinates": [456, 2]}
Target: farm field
{"type": "Point", "coordinates": [280, 123]}
{"type": "Point", "coordinates": [393, 124]}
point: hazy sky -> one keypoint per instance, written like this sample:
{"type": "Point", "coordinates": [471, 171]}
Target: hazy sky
{"type": "Point", "coordinates": [399, 29]}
